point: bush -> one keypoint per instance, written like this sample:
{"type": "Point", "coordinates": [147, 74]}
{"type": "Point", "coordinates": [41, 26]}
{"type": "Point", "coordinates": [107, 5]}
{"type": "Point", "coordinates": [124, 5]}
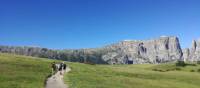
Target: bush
{"type": "Point", "coordinates": [192, 64]}
{"type": "Point", "coordinates": [192, 70]}
{"type": "Point", "coordinates": [198, 62]}
{"type": "Point", "coordinates": [181, 63]}
{"type": "Point", "coordinates": [155, 69]}
{"type": "Point", "coordinates": [90, 63]}
{"type": "Point", "coordinates": [178, 69]}
{"type": "Point", "coordinates": [168, 70]}
{"type": "Point", "coordinates": [159, 70]}
{"type": "Point", "coordinates": [198, 70]}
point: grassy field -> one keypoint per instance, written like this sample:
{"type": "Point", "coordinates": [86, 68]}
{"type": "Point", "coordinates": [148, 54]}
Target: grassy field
{"type": "Point", "coordinates": [133, 76]}
{"type": "Point", "coordinates": [23, 72]}
{"type": "Point", "coordinates": [29, 72]}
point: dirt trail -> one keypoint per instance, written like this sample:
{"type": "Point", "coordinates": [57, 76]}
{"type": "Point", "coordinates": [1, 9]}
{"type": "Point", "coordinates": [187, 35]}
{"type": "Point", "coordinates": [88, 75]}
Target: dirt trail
{"type": "Point", "coordinates": [56, 81]}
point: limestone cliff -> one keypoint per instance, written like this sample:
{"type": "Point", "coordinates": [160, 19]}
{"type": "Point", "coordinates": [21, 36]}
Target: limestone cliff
{"type": "Point", "coordinates": [193, 54]}
{"type": "Point", "coordinates": [161, 50]}
{"type": "Point", "coordinates": [186, 54]}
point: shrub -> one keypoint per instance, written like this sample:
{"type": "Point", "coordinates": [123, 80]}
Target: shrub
{"type": "Point", "coordinates": [192, 64]}
{"type": "Point", "coordinates": [155, 69]}
{"type": "Point", "coordinates": [162, 71]}
{"type": "Point", "coordinates": [192, 70]}
{"type": "Point", "coordinates": [158, 70]}
{"type": "Point", "coordinates": [198, 62]}
{"type": "Point", "coordinates": [178, 69]}
{"type": "Point", "coordinates": [90, 63]}
{"type": "Point", "coordinates": [181, 63]}
{"type": "Point", "coordinates": [198, 70]}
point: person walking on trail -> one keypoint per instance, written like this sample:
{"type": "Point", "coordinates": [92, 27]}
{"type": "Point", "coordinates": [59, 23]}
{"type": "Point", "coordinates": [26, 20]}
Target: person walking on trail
{"type": "Point", "coordinates": [62, 68]}
{"type": "Point", "coordinates": [53, 67]}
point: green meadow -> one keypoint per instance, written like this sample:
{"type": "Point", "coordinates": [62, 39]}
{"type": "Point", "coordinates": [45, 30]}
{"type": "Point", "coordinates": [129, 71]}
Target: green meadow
{"type": "Point", "coordinates": [133, 76]}
{"type": "Point", "coordinates": [23, 72]}
{"type": "Point", "coordinates": [28, 72]}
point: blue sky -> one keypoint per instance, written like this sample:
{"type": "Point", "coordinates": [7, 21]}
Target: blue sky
{"type": "Point", "coordinates": [60, 24]}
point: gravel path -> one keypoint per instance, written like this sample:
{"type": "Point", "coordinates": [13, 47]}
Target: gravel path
{"type": "Point", "coordinates": [56, 81]}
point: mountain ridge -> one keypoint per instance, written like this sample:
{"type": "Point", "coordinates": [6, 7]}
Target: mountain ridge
{"type": "Point", "coordinates": [159, 50]}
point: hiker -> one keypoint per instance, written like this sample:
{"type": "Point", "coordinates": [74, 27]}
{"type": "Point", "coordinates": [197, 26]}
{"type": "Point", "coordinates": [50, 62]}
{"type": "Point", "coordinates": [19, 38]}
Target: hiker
{"type": "Point", "coordinates": [62, 68]}
{"type": "Point", "coordinates": [58, 66]}
{"type": "Point", "coordinates": [53, 66]}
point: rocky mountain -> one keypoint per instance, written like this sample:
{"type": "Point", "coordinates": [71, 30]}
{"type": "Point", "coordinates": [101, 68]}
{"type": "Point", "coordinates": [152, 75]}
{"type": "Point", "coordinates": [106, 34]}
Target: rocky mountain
{"type": "Point", "coordinates": [186, 54]}
{"type": "Point", "coordinates": [160, 50]}
{"type": "Point", "coordinates": [192, 54]}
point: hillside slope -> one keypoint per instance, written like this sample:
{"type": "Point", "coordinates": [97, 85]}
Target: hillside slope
{"type": "Point", "coordinates": [22, 71]}
{"type": "Point", "coordinates": [29, 72]}
{"type": "Point", "coordinates": [133, 76]}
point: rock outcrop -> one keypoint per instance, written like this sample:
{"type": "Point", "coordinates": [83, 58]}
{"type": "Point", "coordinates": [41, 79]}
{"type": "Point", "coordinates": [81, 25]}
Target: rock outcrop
{"type": "Point", "coordinates": [193, 54]}
{"type": "Point", "coordinates": [164, 49]}
{"type": "Point", "coordinates": [186, 54]}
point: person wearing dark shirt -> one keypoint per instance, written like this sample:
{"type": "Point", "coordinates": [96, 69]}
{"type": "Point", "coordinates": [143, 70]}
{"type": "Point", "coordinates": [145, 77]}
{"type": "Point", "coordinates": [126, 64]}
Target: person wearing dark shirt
{"type": "Point", "coordinates": [53, 66]}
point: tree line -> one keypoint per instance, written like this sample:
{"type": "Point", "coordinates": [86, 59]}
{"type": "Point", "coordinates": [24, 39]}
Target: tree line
{"type": "Point", "coordinates": [90, 56]}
